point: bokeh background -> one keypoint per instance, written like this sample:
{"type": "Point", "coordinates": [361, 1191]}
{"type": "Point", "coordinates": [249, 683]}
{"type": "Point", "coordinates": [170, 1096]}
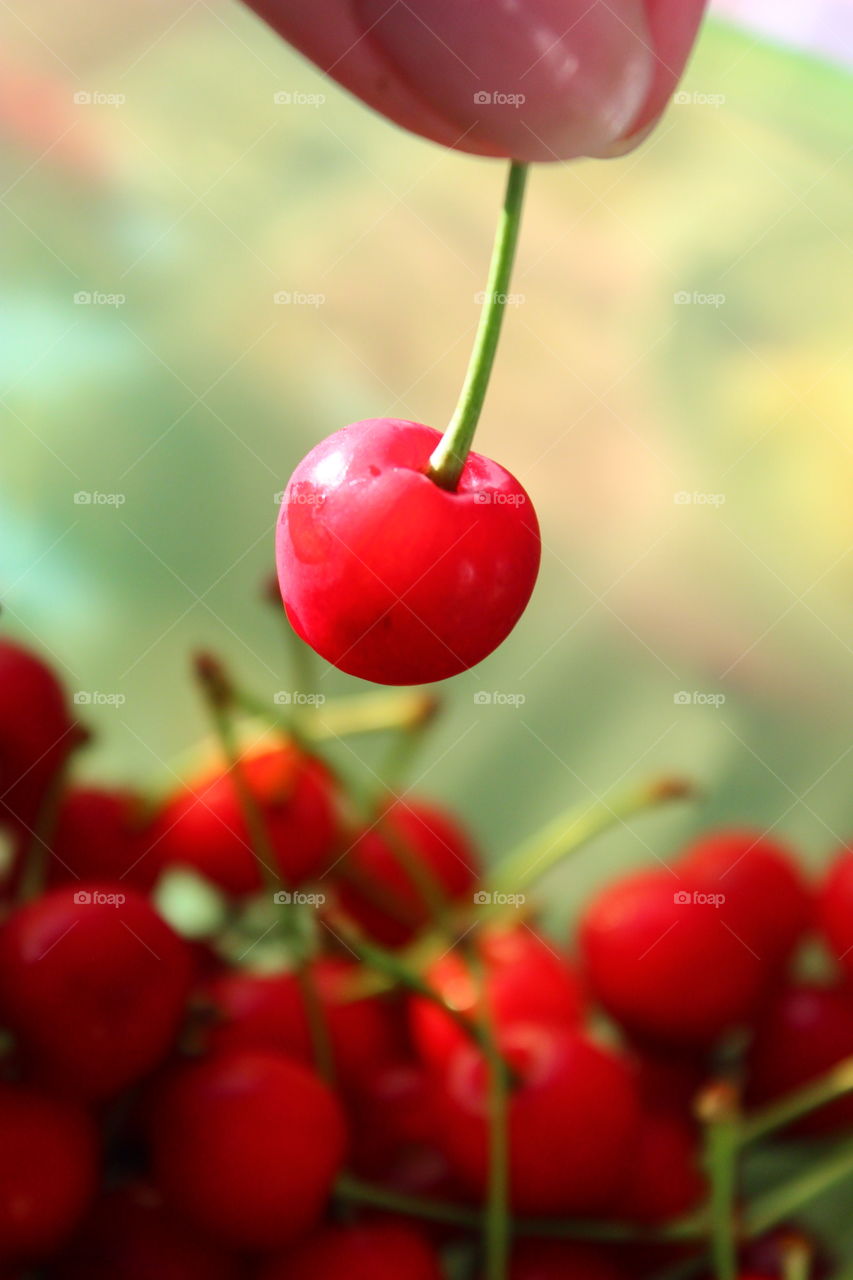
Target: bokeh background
{"type": "Point", "coordinates": [673, 388]}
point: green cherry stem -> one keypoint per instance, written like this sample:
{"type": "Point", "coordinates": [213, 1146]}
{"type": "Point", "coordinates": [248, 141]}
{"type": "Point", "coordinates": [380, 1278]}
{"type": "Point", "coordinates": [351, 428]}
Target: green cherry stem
{"type": "Point", "coordinates": [448, 457]}
{"type": "Point", "coordinates": [574, 828]}
{"type": "Point", "coordinates": [835, 1084]}
{"type": "Point", "coordinates": [496, 1229]}
{"type": "Point", "coordinates": [718, 1109]}
{"type": "Point", "coordinates": [773, 1207]}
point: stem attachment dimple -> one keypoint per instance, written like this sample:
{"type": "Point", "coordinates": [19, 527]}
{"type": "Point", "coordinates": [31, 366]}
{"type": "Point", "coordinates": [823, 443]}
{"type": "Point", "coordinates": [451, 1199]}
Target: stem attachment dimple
{"type": "Point", "coordinates": [448, 457]}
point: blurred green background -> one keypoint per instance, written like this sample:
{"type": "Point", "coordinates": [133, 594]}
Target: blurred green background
{"type": "Point", "coordinates": [147, 165]}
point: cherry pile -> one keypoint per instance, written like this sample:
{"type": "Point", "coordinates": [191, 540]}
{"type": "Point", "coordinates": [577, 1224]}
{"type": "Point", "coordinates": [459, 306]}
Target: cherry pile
{"type": "Point", "coordinates": [373, 1061]}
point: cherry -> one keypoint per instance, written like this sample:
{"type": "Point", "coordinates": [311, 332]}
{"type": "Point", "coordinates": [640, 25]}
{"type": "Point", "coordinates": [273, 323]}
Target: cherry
{"type": "Point", "coordinates": [524, 978]}
{"type": "Point", "coordinates": [560, 1260]}
{"type": "Point", "coordinates": [131, 1233]}
{"type": "Point", "coordinates": [572, 1121]}
{"type": "Point", "coordinates": [665, 1179]}
{"type": "Point", "coordinates": [388, 575]}
{"type": "Point", "coordinates": [666, 966]}
{"type": "Point", "coordinates": [36, 733]}
{"type": "Point", "coordinates": [94, 984]}
{"type": "Point", "coordinates": [202, 825]}
{"type": "Point", "coordinates": [368, 1251]}
{"type": "Point", "coordinates": [267, 1011]}
{"type": "Point", "coordinates": [375, 884]}
{"type": "Point", "coordinates": [48, 1169]}
{"type": "Point", "coordinates": [101, 834]}
{"type": "Point", "coordinates": [246, 1144]}
{"type": "Point", "coordinates": [759, 877]}
{"type": "Point", "coordinates": [835, 911]}
{"type": "Point", "coordinates": [802, 1032]}
{"type": "Point", "coordinates": [765, 1256]}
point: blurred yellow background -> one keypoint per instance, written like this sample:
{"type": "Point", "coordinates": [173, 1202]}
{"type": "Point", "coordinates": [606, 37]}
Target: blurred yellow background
{"type": "Point", "coordinates": [673, 388]}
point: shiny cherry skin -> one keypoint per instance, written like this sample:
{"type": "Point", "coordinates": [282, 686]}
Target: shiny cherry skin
{"type": "Point", "coordinates": [560, 1260]}
{"type": "Point", "coordinates": [375, 883]}
{"type": "Point", "coordinates": [522, 977]}
{"type": "Point", "coordinates": [367, 1251]}
{"type": "Point", "coordinates": [802, 1032]}
{"type": "Point", "coordinates": [202, 826]}
{"type": "Point", "coordinates": [36, 733]}
{"type": "Point", "coordinates": [246, 1145]}
{"type": "Point", "coordinates": [391, 577]}
{"type": "Point", "coordinates": [101, 834]}
{"type": "Point", "coordinates": [762, 881]}
{"type": "Point", "coordinates": [49, 1161]}
{"type": "Point", "coordinates": [835, 912]}
{"type": "Point", "coordinates": [131, 1233]}
{"type": "Point", "coordinates": [573, 1121]}
{"type": "Point", "coordinates": [669, 970]}
{"type": "Point", "coordinates": [94, 990]}
{"type": "Point", "coordinates": [267, 1011]}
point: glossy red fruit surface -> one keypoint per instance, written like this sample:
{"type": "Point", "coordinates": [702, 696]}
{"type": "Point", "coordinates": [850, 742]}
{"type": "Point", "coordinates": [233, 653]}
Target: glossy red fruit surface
{"type": "Point", "coordinates": [666, 966]}
{"type": "Point", "coordinates": [131, 1235]}
{"type": "Point", "coordinates": [36, 733]}
{"type": "Point", "coordinates": [802, 1032]}
{"type": "Point", "coordinates": [387, 575]}
{"type": "Point", "coordinates": [665, 1178]}
{"type": "Point", "coordinates": [101, 835]}
{"type": "Point", "coordinates": [835, 912]}
{"type": "Point", "coordinates": [573, 1121]}
{"type": "Point", "coordinates": [386, 879]}
{"type": "Point", "coordinates": [202, 826]}
{"type": "Point", "coordinates": [523, 978]}
{"type": "Point", "coordinates": [48, 1169]}
{"type": "Point", "coordinates": [761, 884]}
{"type": "Point", "coordinates": [94, 988]}
{"type": "Point", "coordinates": [267, 1011]}
{"type": "Point", "coordinates": [558, 1260]}
{"type": "Point", "coordinates": [246, 1145]}
{"type": "Point", "coordinates": [369, 1251]}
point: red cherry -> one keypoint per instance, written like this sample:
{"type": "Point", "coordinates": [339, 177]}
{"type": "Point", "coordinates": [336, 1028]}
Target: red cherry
{"type": "Point", "coordinates": [801, 1033]}
{"type": "Point", "coordinates": [835, 911]}
{"type": "Point", "coordinates": [246, 1145]}
{"type": "Point", "coordinates": [94, 985]}
{"type": "Point", "coordinates": [391, 577]}
{"type": "Point", "coordinates": [572, 1120]}
{"type": "Point", "coordinates": [131, 1234]}
{"type": "Point", "coordinates": [48, 1171]}
{"type": "Point", "coordinates": [665, 1179]}
{"type": "Point", "coordinates": [667, 967]}
{"type": "Point", "coordinates": [375, 885]}
{"type": "Point", "coordinates": [267, 1011]}
{"type": "Point", "coordinates": [369, 1251]}
{"type": "Point", "coordinates": [760, 879]}
{"type": "Point", "coordinates": [524, 978]}
{"type": "Point", "coordinates": [668, 1081]}
{"type": "Point", "coordinates": [559, 1260]}
{"type": "Point", "coordinates": [36, 733]}
{"type": "Point", "coordinates": [202, 826]}
{"type": "Point", "coordinates": [101, 835]}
